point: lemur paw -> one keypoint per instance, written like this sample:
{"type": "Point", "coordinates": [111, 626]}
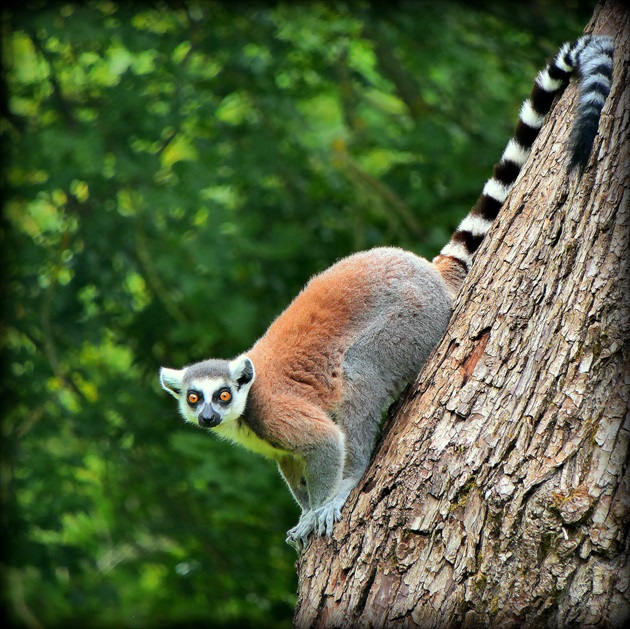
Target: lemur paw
{"type": "Point", "coordinates": [322, 519]}
{"type": "Point", "coordinates": [298, 535]}
{"type": "Point", "coordinates": [327, 515]}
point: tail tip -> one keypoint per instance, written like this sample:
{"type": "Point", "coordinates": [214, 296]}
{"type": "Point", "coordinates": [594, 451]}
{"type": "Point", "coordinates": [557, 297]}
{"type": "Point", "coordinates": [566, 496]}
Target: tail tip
{"type": "Point", "coordinates": [581, 147]}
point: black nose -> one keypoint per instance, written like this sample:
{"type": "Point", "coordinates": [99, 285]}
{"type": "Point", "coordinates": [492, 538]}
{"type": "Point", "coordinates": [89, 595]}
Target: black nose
{"type": "Point", "coordinates": [208, 418]}
{"type": "Point", "coordinates": [210, 422]}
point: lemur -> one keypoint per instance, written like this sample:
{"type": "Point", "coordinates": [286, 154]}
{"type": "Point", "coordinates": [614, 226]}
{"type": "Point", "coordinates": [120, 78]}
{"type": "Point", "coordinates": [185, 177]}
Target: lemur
{"type": "Point", "coordinates": [311, 391]}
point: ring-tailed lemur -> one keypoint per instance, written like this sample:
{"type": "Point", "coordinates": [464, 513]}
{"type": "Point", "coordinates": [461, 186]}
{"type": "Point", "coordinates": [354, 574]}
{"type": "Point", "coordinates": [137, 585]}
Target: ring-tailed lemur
{"type": "Point", "coordinates": [311, 391]}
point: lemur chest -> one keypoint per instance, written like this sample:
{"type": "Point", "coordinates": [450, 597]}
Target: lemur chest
{"type": "Point", "coordinates": [240, 433]}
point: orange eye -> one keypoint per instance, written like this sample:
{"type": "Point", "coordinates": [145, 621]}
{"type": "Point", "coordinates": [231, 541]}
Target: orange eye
{"type": "Point", "coordinates": [193, 398]}
{"type": "Point", "coordinates": [225, 396]}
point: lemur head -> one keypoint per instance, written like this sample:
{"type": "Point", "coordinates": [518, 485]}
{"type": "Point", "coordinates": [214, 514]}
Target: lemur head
{"type": "Point", "coordinates": [210, 392]}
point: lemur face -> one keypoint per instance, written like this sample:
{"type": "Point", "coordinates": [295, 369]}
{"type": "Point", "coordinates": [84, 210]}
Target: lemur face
{"type": "Point", "coordinates": [211, 392]}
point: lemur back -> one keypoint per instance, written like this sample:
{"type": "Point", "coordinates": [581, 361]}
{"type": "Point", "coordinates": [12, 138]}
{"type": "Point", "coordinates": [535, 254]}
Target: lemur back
{"type": "Point", "coordinates": [332, 345]}
{"type": "Point", "coordinates": [310, 392]}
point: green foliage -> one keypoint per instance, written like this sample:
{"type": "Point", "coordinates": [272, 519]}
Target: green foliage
{"type": "Point", "coordinates": [174, 175]}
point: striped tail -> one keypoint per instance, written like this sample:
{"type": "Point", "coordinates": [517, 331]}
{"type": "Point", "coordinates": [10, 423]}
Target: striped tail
{"type": "Point", "coordinates": [589, 56]}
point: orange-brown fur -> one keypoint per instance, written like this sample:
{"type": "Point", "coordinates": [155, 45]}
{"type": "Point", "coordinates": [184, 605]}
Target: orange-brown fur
{"type": "Point", "coordinates": [317, 326]}
{"type": "Point", "coordinates": [452, 270]}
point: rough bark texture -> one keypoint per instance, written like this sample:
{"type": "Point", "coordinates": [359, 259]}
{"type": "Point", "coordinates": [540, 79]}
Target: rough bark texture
{"type": "Point", "coordinates": [499, 494]}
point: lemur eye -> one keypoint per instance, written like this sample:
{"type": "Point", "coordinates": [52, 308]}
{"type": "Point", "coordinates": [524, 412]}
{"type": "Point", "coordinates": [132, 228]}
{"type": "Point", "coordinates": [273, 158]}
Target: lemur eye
{"type": "Point", "coordinates": [225, 396]}
{"type": "Point", "coordinates": [193, 397]}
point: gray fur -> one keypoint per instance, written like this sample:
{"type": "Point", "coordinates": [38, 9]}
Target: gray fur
{"type": "Point", "coordinates": [396, 341]}
{"type": "Point", "coordinates": [593, 57]}
{"type": "Point", "coordinates": [211, 368]}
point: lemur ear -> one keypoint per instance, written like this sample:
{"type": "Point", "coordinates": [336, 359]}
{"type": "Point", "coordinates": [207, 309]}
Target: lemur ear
{"type": "Point", "coordinates": [242, 370]}
{"type": "Point", "coordinates": [171, 380]}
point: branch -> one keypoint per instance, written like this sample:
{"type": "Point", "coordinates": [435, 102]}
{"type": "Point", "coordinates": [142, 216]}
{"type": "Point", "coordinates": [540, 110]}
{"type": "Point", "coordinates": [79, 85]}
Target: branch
{"type": "Point", "coordinates": [392, 69]}
{"type": "Point", "coordinates": [153, 278]}
{"type": "Point", "coordinates": [50, 347]}
{"type": "Point", "coordinates": [395, 205]}
{"type": "Point", "coordinates": [58, 96]}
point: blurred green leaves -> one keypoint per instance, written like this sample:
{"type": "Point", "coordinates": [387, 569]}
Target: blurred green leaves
{"type": "Point", "coordinates": [173, 176]}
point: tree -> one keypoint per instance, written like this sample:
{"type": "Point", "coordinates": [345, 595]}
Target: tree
{"type": "Point", "coordinates": [498, 495]}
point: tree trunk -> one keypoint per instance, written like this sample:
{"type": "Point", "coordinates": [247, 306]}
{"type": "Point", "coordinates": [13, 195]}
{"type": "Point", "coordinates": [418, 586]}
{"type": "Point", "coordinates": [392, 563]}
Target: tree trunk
{"type": "Point", "coordinates": [498, 495]}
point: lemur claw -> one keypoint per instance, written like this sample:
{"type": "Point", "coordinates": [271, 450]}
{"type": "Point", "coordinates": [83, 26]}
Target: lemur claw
{"type": "Point", "coordinates": [321, 520]}
{"type": "Point", "coordinates": [298, 535]}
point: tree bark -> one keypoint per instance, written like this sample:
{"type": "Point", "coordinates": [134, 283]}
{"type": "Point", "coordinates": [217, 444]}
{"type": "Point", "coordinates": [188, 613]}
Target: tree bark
{"type": "Point", "coordinates": [499, 493]}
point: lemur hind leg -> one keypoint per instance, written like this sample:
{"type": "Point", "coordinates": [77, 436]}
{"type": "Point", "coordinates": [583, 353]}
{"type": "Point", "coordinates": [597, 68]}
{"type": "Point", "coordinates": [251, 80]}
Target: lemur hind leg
{"type": "Point", "coordinates": [293, 471]}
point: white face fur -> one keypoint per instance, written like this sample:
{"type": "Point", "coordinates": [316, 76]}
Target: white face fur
{"type": "Point", "coordinates": [212, 397]}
